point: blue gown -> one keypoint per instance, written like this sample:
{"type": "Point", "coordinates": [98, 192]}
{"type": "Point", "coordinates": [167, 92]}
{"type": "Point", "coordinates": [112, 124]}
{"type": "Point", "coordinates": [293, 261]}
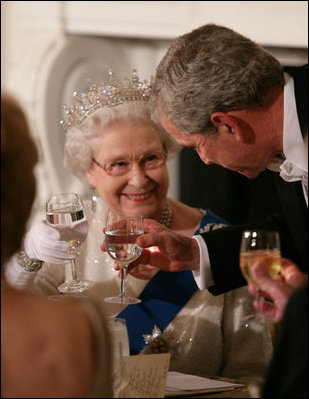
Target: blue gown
{"type": "Point", "coordinates": [164, 296]}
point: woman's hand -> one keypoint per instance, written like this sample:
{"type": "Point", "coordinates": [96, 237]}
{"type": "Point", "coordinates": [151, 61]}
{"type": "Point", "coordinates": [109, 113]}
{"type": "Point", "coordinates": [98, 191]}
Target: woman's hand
{"type": "Point", "coordinates": [43, 242]}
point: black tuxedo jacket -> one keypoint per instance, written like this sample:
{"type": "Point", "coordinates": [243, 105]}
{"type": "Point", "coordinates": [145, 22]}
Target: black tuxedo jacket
{"type": "Point", "coordinates": [287, 376]}
{"type": "Point", "coordinates": [291, 222]}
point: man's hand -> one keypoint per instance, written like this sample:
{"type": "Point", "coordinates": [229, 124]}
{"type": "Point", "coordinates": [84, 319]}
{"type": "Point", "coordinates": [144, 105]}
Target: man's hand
{"type": "Point", "coordinates": [143, 272]}
{"type": "Point", "coordinates": [166, 249]}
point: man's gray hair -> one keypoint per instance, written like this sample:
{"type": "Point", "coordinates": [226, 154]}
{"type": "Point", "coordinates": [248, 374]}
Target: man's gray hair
{"type": "Point", "coordinates": [213, 69]}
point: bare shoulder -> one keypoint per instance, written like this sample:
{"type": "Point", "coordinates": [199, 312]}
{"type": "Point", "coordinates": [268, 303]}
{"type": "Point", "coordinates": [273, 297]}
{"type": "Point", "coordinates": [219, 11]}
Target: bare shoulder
{"type": "Point", "coordinates": [48, 346]}
{"type": "Point", "coordinates": [184, 217]}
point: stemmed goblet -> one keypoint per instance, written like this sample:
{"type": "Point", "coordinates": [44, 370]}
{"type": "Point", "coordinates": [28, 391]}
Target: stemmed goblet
{"type": "Point", "coordinates": [120, 349]}
{"type": "Point", "coordinates": [120, 337]}
{"type": "Point", "coordinates": [120, 241]}
{"type": "Point", "coordinates": [65, 212]}
{"type": "Point", "coordinates": [263, 246]}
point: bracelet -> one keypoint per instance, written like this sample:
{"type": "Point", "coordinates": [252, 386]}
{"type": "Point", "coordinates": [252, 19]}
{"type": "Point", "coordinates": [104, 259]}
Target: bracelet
{"type": "Point", "coordinates": [27, 264]}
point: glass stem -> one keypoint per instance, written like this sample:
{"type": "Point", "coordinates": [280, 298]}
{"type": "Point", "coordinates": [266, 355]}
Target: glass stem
{"type": "Point", "coordinates": [73, 268]}
{"type": "Point", "coordinates": [123, 280]}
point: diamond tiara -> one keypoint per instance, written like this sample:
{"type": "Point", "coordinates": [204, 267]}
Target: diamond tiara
{"type": "Point", "coordinates": [110, 93]}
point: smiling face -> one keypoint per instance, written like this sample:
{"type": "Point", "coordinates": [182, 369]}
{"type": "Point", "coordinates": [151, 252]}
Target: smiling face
{"type": "Point", "coordinates": [139, 191]}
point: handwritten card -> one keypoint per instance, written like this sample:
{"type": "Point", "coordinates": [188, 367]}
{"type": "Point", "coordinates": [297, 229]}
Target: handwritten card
{"type": "Point", "coordinates": [141, 376]}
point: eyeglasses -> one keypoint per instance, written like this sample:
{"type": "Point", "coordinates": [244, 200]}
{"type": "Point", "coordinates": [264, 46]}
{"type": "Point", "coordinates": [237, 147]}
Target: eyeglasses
{"type": "Point", "coordinates": [119, 167]}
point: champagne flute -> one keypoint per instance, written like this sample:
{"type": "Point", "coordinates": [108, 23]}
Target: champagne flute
{"type": "Point", "coordinates": [263, 246]}
{"type": "Point", "coordinates": [120, 241]}
{"type": "Point", "coordinates": [65, 212]}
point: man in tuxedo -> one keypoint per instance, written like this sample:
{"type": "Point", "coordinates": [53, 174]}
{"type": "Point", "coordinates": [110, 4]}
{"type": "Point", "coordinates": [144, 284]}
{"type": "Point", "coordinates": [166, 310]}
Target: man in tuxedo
{"type": "Point", "coordinates": [230, 99]}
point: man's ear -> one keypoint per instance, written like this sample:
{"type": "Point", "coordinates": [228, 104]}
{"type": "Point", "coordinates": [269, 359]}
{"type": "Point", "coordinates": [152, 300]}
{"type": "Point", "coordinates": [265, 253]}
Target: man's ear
{"type": "Point", "coordinates": [229, 124]}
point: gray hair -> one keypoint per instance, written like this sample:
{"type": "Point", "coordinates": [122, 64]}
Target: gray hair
{"type": "Point", "coordinates": [81, 142]}
{"type": "Point", "coordinates": [213, 69]}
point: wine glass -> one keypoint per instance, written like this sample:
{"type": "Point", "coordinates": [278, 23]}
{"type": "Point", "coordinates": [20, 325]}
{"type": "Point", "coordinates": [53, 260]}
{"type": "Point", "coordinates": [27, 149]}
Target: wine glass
{"type": "Point", "coordinates": [119, 335]}
{"type": "Point", "coordinates": [263, 246]}
{"type": "Point", "coordinates": [120, 348]}
{"type": "Point", "coordinates": [121, 233]}
{"type": "Point", "coordinates": [65, 212]}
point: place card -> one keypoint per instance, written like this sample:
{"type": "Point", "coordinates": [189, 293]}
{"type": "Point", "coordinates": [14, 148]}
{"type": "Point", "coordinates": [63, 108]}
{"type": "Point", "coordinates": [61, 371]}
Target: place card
{"type": "Point", "coordinates": [141, 376]}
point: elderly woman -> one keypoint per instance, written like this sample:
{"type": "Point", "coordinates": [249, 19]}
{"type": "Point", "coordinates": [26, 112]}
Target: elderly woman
{"type": "Point", "coordinates": [113, 145]}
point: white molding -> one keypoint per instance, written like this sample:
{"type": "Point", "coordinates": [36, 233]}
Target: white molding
{"type": "Point", "coordinates": [270, 23]}
{"type": "Point", "coordinates": [147, 19]}
{"type": "Point", "coordinates": [46, 15]}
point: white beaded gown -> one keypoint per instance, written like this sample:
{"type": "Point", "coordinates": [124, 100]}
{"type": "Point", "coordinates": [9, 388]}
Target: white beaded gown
{"type": "Point", "coordinates": [206, 337]}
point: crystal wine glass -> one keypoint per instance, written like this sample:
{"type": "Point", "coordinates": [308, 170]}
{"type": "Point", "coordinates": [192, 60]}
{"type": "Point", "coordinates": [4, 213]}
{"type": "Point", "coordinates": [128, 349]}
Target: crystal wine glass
{"type": "Point", "coordinates": [263, 246]}
{"type": "Point", "coordinates": [120, 241]}
{"type": "Point", "coordinates": [65, 212]}
{"type": "Point", "coordinates": [119, 335]}
{"type": "Point", "coordinates": [120, 348]}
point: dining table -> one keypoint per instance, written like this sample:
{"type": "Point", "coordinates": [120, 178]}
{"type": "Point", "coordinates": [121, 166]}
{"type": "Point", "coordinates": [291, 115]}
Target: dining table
{"type": "Point", "coordinates": [244, 391]}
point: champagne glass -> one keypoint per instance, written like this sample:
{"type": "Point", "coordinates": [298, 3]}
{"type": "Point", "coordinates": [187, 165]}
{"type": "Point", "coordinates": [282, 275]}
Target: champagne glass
{"type": "Point", "coordinates": [121, 233]}
{"type": "Point", "coordinates": [263, 246]}
{"type": "Point", "coordinates": [65, 212]}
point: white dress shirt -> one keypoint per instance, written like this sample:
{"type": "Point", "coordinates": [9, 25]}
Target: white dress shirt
{"type": "Point", "coordinates": [293, 168]}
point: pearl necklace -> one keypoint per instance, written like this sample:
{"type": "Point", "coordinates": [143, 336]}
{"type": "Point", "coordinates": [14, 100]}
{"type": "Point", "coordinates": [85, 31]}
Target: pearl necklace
{"type": "Point", "coordinates": [166, 216]}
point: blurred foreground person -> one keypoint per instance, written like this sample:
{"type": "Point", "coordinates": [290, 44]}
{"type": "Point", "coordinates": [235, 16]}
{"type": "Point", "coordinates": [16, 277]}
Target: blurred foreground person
{"type": "Point", "coordinates": [278, 290]}
{"type": "Point", "coordinates": [288, 371]}
{"type": "Point", "coordinates": [48, 348]}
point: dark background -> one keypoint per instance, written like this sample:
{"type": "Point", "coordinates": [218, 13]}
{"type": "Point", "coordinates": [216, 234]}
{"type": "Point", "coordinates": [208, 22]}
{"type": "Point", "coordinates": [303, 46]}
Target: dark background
{"type": "Point", "coordinates": [230, 195]}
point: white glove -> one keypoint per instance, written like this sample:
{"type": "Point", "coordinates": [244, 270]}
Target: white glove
{"type": "Point", "coordinates": [42, 242]}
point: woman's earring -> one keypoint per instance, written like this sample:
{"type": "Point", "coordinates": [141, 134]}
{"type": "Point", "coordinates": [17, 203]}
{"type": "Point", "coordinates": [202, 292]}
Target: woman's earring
{"type": "Point", "coordinates": [93, 199]}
